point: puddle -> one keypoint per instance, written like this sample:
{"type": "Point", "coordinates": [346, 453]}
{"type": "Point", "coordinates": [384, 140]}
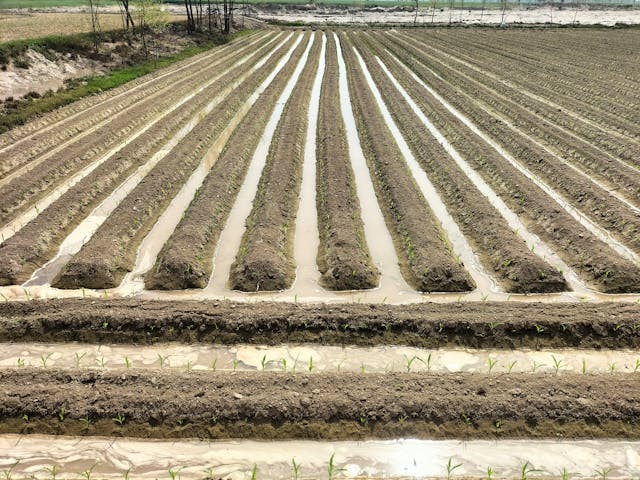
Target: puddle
{"type": "Point", "coordinates": [231, 235]}
{"type": "Point", "coordinates": [235, 459]}
{"type": "Point", "coordinates": [12, 227]}
{"type": "Point", "coordinates": [307, 240]}
{"type": "Point", "coordinates": [322, 358]}
{"type": "Point", "coordinates": [585, 222]}
{"type": "Point", "coordinates": [378, 238]}
{"type": "Point", "coordinates": [514, 222]}
{"type": "Point", "coordinates": [83, 232]}
{"type": "Point", "coordinates": [460, 246]}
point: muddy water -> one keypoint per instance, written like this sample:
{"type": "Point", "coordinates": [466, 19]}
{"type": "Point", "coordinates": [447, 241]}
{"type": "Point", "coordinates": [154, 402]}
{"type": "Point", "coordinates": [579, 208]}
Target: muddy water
{"type": "Point", "coordinates": [231, 235]}
{"type": "Point", "coordinates": [462, 249]}
{"type": "Point", "coordinates": [584, 221]}
{"type": "Point", "coordinates": [83, 232]}
{"type": "Point", "coordinates": [297, 358]}
{"type": "Point", "coordinates": [8, 230]}
{"type": "Point", "coordinates": [307, 240]}
{"type": "Point", "coordinates": [534, 242]}
{"type": "Point", "coordinates": [383, 253]}
{"type": "Point", "coordinates": [401, 458]}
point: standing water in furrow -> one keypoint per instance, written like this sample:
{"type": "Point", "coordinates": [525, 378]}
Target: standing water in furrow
{"type": "Point", "coordinates": [20, 255]}
{"type": "Point", "coordinates": [425, 258]}
{"type": "Point", "coordinates": [110, 253]}
{"type": "Point", "coordinates": [343, 256]}
{"type": "Point", "coordinates": [185, 260]}
{"type": "Point", "coordinates": [515, 266]}
{"type": "Point", "coordinates": [265, 261]}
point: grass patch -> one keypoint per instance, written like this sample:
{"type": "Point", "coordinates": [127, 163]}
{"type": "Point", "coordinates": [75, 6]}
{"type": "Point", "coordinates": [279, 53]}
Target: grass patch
{"type": "Point", "coordinates": [18, 112]}
{"type": "Point", "coordinates": [48, 3]}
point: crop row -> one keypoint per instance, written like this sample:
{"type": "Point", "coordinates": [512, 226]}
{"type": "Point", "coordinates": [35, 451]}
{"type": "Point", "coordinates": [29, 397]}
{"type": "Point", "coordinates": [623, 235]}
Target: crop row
{"type": "Point", "coordinates": [111, 251]}
{"type": "Point", "coordinates": [594, 260]}
{"type": "Point", "coordinates": [185, 260]}
{"type": "Point", "coordinates": [583, 194]}
{"type": "Point", "coordinates": [500, 249]}
{"type": "Point", "coordinates": [23, 191]}
{"type": "Point", "coordinates": [425, 258]}
{"type": "Point", "coordinates": [37, 241]}
{"type": "Point", "coordinates": [66, 121]}
{"type": "Point", "coordinates": [265, 258]}
{"type": "Point", "coordinates": [343, 256]}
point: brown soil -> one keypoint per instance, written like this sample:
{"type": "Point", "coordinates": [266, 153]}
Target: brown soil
{"type": "Point", "coordinates": [110, 253]}
{"type": "Point", "coordinates": [343, 255]}
{"type": "Point", "coordinates": [425, 259]}
{"type": "Point", "coordinates": [616, 217]}
{"type": "Point", "coordinates": [185, 260]}
{"type": "Point", "coordinates": [265, 260]}
{"type": "Point", "coordinates": [21, 192]}
{"type": "Point", "coordinates": [320, 406]}
{"type": "Point", "coordinates": [429, 325]}
{"type": "Point", "coordinates": [501, 251]}
{"type": "Point", "coordinates": [39, 240]}
{"type": "Point", "coordinates": [594, 260]}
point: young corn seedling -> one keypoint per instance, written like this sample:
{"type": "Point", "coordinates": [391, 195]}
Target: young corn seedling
{"type": "Point", "coordinates": [62, 414]}
{"type": "Point", "coordinates": [311, 363]}
{"type": "Point", "coordinates": [491, 363]}
{"type": "Point", "coordinates": [235, 364]}
{"type": "Point", "coordinates": [189, 365]}
{"type": "Point", "coordinates": [214, 364]}
{"type": "Point", "coordinates": [163, 360]}
{"type": "Point", "coordinates": [254, 472]}
{"type": "Point", "coordinates": [490, 473]}
{"type": "Point", "coordinates": [208, 473]}
{"type": "Point", "coordinates": [25, 417]}
{"type": "Point", "coordinates": [510, 366]}
{"type": "Point", "coordinates": [526, 470]}
{"type": "Point", "coordinates": [44, 359]}
{"type": "Point", "coordinates": [363, 367]}
{"type": "Point", "coordinates": [584, 366]}
{"type": "Point", "coordinates": [410, 361]}
{"type": "Point", "coordinates": [264, 362]}
{"type": "Point", "coordinates": [603, 472]}
{"type": "Point", "coordinates": [283, 362]}
{"type": "Point", "coordinates": [53, 471]}
{"type": "Point", "coordinates": [339, 365]}
{"type": "Point", "coordinates": [637, 365]}
{"type": "Point", "coordinates": [88, 473]}
{"type": "Point", "coordinates": [332, 470]}
{"type": "Point", "coordinates": [295, 363]}
{"type": "Point", "coordinates": [451, 467]}
{"type": "Point", "coordinates": [77, 358]}
{"type": "Point", "coordinates": [102, 362]}
{"type": "Point", "coordinates": [296, 469]}
{"type": "Point", "coordinates": [8, 474]}
{"type": "Point", "coordinates": [557, 364]}
{"type": "Point", "coordinates": [127, 363]}
{"type": "Point", "coordinates": [119, 419]}
{"type": "Point", "coordinates": [612, 367]}
{"type": "Point", "coordinates": [175, 473]}
{"type": "Point", "coordinates": [20, 362]}
{"type": "Point", "coordinates": [565, 474]}
{"type": "Point", "coordinates": [536, 366]}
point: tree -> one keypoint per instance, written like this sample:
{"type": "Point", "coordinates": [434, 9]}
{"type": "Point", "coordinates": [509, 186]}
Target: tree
{"type": "Point", "coordinates": [127, 19]}
{"type": "Point", "coordinates": [151, 19]}
{"type": "Point", "coordinates": [95, 23]}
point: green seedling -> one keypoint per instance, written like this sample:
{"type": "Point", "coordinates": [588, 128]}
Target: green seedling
{"type": "Point", "coordinates": [127, 363]}
{"type": "Point", "coordinates": [283, 362]}
{"type": "Point", "coordinates": [492, 363]}
{"type": "Point", "coordinates": [189, 366]}
{"type": "Point", "coordinates": [254, 472]}
{"type": "Point", "coordinates": [410, 361]}
{"type": "Point", "coordinates": [264, 362]}
{"type": "Point", "coordinates": [429, 362]}
{"type": "Point", "coordinates": [8, 474]}
{"type": "Point", "coordinates": [637, 365]}
{"type": "Point", "coordinates": [311, 363]}
{"type": "Point", "coordinates": [208, 472]}
{"type": "Point", "coordinates": [511, 365]}
{"type": "Point", "coordinates": [539, 329]}
{"type": "Point", "coordinates": [295, 363]}
{"type": "Point", "coordinates": [44, 359]}
{"type": "Point", "coordinates": [26, 293]}
{"type": "Point", "coordinates": [584, 366]}
{"type": "Point", "coordinates": [536, 366]}
{"type": "Point", "coordinates": [466, 418]}
{"type": "Point", "coordinates": [214, 364]}
{"type": "Point", "coordinates": [493, 326]}
{"type": "Point", "coordinates": [557, 364]}
{"type": "Point", "coordinates": [175, 473]}
{"type": "Point", "coordinates": [126, 473]}
{"type": "Point", "coordinates": [612, 367]}
{"type": "Point", "coordinates": [77, 358]}
{"type": "Point", "coordinates": [565, 474]}
{"type": "Point", "coordinates": [332, 470]}
{"type": "Point", "coordinates": [484, 298]}
{"type": "Point", "coordinates": [235, 364]}
{"type": "Point", "coordinates": [526, 470]}
{"type": "Point", "coordinates": [53, 471]}
{"type": "Point", "coordinates": [296, 469]}
{"type": "Point", "coordinates": [363, 367]}
{"type": "Point", "coordinates": [102, 363]}
{"type": "Point", "coordinates": [20, 362]}
{"type": "Point", "coordinates": [25, 417]}
{"type": "Point", "coordinates": [490, 473]}
{"type": "Point", "coordinates": [163, 360]}
{"type": "Point", "coordinates": [87, 474]}
{"type": "Point", "coordinates": [603, 472]}
{"type": "Point", "coordinates": [451, 467]}
{"type": "Point", "coordinates": [119, 419]}
{"type": "Point", "coordinates": [339, 365]}
{"type": "Point", "coordinates": [62, 414]}
{"type": "Point", "coordinates": [86, 420]}
{"type": "Point", "coordinates": [105, 324]}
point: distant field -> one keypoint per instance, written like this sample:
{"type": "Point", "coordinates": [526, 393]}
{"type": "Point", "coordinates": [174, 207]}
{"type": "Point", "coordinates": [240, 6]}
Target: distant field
{"type": "Point", "coordinates": [48, 3]}
{"type": "Point", "coordinates": [17, 27]}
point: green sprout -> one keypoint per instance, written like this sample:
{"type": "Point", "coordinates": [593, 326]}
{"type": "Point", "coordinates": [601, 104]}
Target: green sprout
{"type": "Point", "coordinates": [410, 361]}
{"type": "Point", "coordinates": [119, 419]}
{"type": "Point", "coordinates": [89, 472]}
{"type": "Point", "coordinates": [44, 359]}
{"type": "Point", "coordinates": [451, 467]}
{"type": "Point", "coordinates": [557, 364]}
{"type": "Point", "coordinates": [77, 358]}
{"type": "Point", "coordinates": [296, 469]}
{"type": "Point", "coordinates": [332, 470]}
{"type": "Point", "coordinates": [526, 470]}
{"type": "Point", "coordinates": [492, 363]}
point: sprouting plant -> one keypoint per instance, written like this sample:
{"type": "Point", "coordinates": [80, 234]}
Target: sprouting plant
{"type": "Point", "coordinates": [20, 362]}
{"type": "Point", "coordinates": [189, 365]}
{"type": "Point", "coordinates": [603, 472]}
{"type": "Point", "coordinates": [498, 425]}
{"type": "Point", "coordinates": [25, 417]}
{"type": "Point", "coordinates": [493, 326]}
{"type": "Point", "coordinates": [637, 365]}
{"type": "Point", "coordinates": [565, 474]}
{"type": "Point", "coordinates": [484, 298]}
{"type": "Point", "coordinates": [77, 358]}
{"type": "Point", "coordinates": [311, 363]}
{"type": "Point", "coordinates": [235, 364]}
{"type": "Point", "coordinates": [283, 362]}
{"type": "Point", "coordinates": [101, 362]}
{"type": "Point", "coordinates": [612, 367]}
{"type": "Point", "coordinates": [492, 363]}
{"type": "Point", "coordinates": [61, 414]}
{"type": "Point", "coordinates": [7, 474]}
{"type": "Point", "coordinates": [208, 473]}
{"type": "Point", "coordinates": [363, 367]}
{"type": "Point", "coordinates": [339, 365]}
{"type": "Point", "coordinates": [127, 362]}
{"type": "Point", "coordinates": [86, 420]}
{"type": "Point", "coordinates": [428, 362]}
{"type": "Point", "coordinates": [410, 361]}
{"type": "Point", "coordinates": [451, 467]}
{"type": "Point", "coordinates": [511, 365]}
{"type": "Point", "coordinates": [162, 360]}
{"type": "Point", "coordinates": [332, 469]}
{"type": "Point", "coordinates": [26, 293]}
{"type": "Point", "coordinates": [119, 419]}
{"type": "Point", "coordinates": [89, 472]}
{"type": "Point", "coordinates": [440, 327]}
{"type": "Point", "coordinates": [557, 364]}
{"type": "Point", "coordinates": [526, 470]}
{"type": "Point", "coordinates": [44, 359]}
{"type": "Point", "coordinates": [105, 324]}
{"type": "Point", "coordinates": [466, 418]}
{"type": "Point", "coordinates": [296, 469]}
{"type": "Point", "coordinates": [263, 362]}
{"type": "Point", "coordinates": [584, 366]}
{"type": "Point", "coordinates": [536, 366]}
{"type": "Point", "coordinates": [254, 472]}
{"type": "Point", "coordinates": [126, 473]}
{"type": "Point", "coordinates": [214, 364]}
{"type": "Point", "coordinates": [539, 329]}
{"type": "Point", "coordinates": [53, 471]}
{"type": "Point", "coordinates": [295, 363]}
{"type": "Point", "coordinates": [175, 473]}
